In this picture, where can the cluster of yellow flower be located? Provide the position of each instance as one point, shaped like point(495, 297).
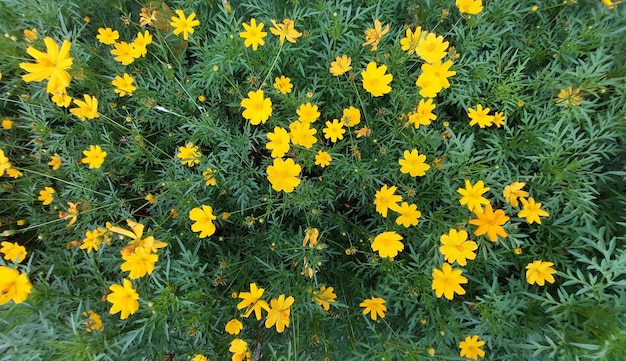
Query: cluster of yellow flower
point(13, 284)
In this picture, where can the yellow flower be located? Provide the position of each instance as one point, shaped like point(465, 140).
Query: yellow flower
point(199, 357)
point(182, 24)
point(87, 109)
point(375, 306)
point(14, 173)
point(94, 156)
point(61, 99)
point(423, 114)
point(136, 236)
point(375, 34)
point(324, 297)
point(409, 215)
point(472, 195)
point(539, 272)
point(307, 113)
point(13, 286)
point(386, 199)
point(253, 35)
point(388, 244)
point(107, 36)
point(514, 191)
point(517, 251)
point(258, 109)
point(499, 119)
point(151, 198)
point(610, 4)
point(351, 116)
point(283, 175)
point(30, 35)
point(239, 348)
point(209, 177)
point(252, 301)
point(5, 164)
point(46, 195)
point(124, 299)
point(447, 281)
point(279, 312)
point(283, 84)
point(93, 239)
point(340, 66)
point(431, 48)
point(139, 263)
point(140, 44)
point(55, 162)
point(203, 218)
point(471, 7)
point(125, 53)
point(234, 326)
point(480, 116)
point(532, 211)
point(13, 252)
point(334, 131)
point(189, 154)
point(286, 30)
point(456, 248)
point(94, 323)
point(51, 65)
point(569, 97)
point(323, 159)
point(413, 163)
point(279, 142)
point(147, 18)
point(489, 222)
point(411, 40)
point(470, 347)
point(302, 134)
point(7, 124)
point(375, 80)
point(434, 78)
point(124, 85)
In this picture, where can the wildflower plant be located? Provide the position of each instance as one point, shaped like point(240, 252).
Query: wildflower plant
point(292, 180)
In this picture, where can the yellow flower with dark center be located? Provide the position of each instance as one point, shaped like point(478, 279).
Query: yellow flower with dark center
point(388, 244)
point(51, 65)
point(539, 272)
point(87, 109)
point(233, 327)
point(283, 175)
point(411, 40)
point(254, 34)
point(324, 297)
point(480, 116)
point(302, 134)
point(124, 299)
point(351, 116)
point(532, 211)
point(413, 163)
point(409, 215)
point(251, 301)
point(107, 36)
point(323, 159)
point(423, 114)
point(307, 113)
point(139, 263)
point(375, 80)
point(514, 191)
point(471, 7)
point(447, 281)
point(386, 199)
point(94, 156)
point(340, 66)
point(55, 162)
point(203, 218)
point(283, 84)
point(455, 247)
point(279, 312)
point(13, 286)
point(182, 24)
point(489, 222)
point(279, 142)
point(286, 30)
point(375, 306)
point(189, 154)
point(470, 347)
point(46, 196)
point(473, 195)
point(374, 35)
point(13, 252)
point(257, 108)
point(94, 323)
point(334, 130)
point(431, 48)
point(124, 85)
point(125, 53)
